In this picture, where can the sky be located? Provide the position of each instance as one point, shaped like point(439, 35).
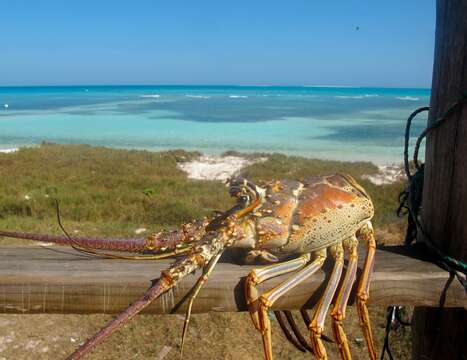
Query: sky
point(245, 42)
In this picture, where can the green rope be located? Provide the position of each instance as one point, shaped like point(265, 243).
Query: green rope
point(436, 124)
point(413, 204)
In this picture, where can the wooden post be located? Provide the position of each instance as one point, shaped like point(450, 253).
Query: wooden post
point(441, 334)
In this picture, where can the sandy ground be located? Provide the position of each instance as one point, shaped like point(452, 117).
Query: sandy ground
point(387, 174)
point(216, 167)
point(210, 336)
point(226, 167)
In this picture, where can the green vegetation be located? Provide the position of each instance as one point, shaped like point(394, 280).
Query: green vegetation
point(101, 190)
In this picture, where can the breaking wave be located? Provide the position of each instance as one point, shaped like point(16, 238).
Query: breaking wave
point(408, 98)
point(152, 96)
point(355, 96)
point(198, 96)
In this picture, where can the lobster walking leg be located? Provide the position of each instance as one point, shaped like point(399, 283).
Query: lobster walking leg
point(199, 284)
point(300, 342)
point(297, 332)
point(280, 319)
point(257, 276)
point(266, 300)
point(317, 322)
point(366, 233)
point(338, 312)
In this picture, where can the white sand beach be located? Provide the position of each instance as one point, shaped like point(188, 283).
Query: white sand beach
point(387, 174)
point(7, 151)
point(210, 167)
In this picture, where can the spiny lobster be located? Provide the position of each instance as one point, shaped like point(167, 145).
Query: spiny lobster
point(290, 224)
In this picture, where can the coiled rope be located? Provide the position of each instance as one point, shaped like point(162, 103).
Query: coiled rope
point(410, 203)
point(411, 198)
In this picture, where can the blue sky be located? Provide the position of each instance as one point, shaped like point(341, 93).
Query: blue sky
point(294, 42)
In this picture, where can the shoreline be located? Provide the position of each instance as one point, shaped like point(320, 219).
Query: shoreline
point(376, 160)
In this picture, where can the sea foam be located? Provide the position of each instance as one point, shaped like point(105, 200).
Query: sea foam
point(407, 98)
point(198, 96)
point(238, 96)
point(355, 96)
point(153, 96)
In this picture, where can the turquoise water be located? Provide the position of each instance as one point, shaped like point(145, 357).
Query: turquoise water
point(319, 122)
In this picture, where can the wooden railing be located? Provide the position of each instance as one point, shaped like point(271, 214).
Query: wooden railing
point(60, 280)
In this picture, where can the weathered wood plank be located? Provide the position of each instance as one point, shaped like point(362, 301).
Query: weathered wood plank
point(42, 280)
point(445, 189)
point(441, 334)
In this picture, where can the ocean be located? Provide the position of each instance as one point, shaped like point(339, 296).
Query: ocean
point(339, 123)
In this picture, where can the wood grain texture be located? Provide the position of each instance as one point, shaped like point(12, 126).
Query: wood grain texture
point(445, 188)
point(42, 280)
point(441, 333)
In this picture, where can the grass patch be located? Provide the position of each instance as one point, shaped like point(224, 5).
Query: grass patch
point(103, 186)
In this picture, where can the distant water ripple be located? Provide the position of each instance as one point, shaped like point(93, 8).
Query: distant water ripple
point(348, 123)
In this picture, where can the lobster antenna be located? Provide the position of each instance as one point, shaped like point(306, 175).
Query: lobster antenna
point(59, 220)
point(85, 250)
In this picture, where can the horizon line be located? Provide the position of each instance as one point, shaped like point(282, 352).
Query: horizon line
point(219, 85)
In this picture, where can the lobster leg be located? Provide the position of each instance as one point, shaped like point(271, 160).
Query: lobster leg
point(302, 342)
point(257, 276)
point(199, 284)
point(297, 332)
point(280, 319)
point(338, 312)
point(307, 320)
point(266, 300)
point(366, 233)
point(317, 322)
